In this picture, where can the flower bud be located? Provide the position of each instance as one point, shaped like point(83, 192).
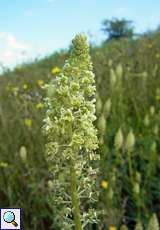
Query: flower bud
point(118, 141)
point(23, 153)
point(130, 141)
point(107, 107)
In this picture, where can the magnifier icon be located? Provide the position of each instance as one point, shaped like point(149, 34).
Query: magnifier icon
point(9, 218)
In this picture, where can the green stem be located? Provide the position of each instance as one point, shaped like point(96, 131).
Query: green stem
point(74, 197)
point(130, 167)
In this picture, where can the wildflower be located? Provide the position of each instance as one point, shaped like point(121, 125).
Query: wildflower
point(55, 70)
point(104, 184)
point(112, 228)
point(139, 226)
point(23, 153)
point(70, 105)
point(3, 164)
point(28, 122)
point(118, 141)
point(25, 86)
point(130, 141)
point(153, 223)
point(40, 83)
point(40, 105)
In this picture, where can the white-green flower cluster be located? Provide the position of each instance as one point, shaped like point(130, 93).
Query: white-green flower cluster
point(72, 137)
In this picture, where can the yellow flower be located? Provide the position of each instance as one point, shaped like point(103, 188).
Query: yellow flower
point(25, 86)
point(158, 55)
point(55, 70)
point(40, 82)
point(3, 164)
point(104, 184)
point(28, 122)
point(158, 97)
point(40, 105)
point(112, 228)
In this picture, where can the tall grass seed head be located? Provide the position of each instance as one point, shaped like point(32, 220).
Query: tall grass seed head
point(130, 141)
point(23, 154)
point(118, 141)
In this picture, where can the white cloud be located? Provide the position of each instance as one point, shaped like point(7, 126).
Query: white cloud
point(11, 50)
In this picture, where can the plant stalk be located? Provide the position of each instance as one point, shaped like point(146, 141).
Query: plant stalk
point(74, 197)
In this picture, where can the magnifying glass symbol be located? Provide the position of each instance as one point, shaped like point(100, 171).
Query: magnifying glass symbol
point(9, 218)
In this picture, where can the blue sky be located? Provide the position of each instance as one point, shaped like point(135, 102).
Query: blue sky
point(34, 28)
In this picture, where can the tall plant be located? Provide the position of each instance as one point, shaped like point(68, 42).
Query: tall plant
point(72, 139)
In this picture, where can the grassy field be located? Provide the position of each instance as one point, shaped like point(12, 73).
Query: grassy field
point(128, 120)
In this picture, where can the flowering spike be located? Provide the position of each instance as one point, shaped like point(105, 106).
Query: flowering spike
point(72, 137)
